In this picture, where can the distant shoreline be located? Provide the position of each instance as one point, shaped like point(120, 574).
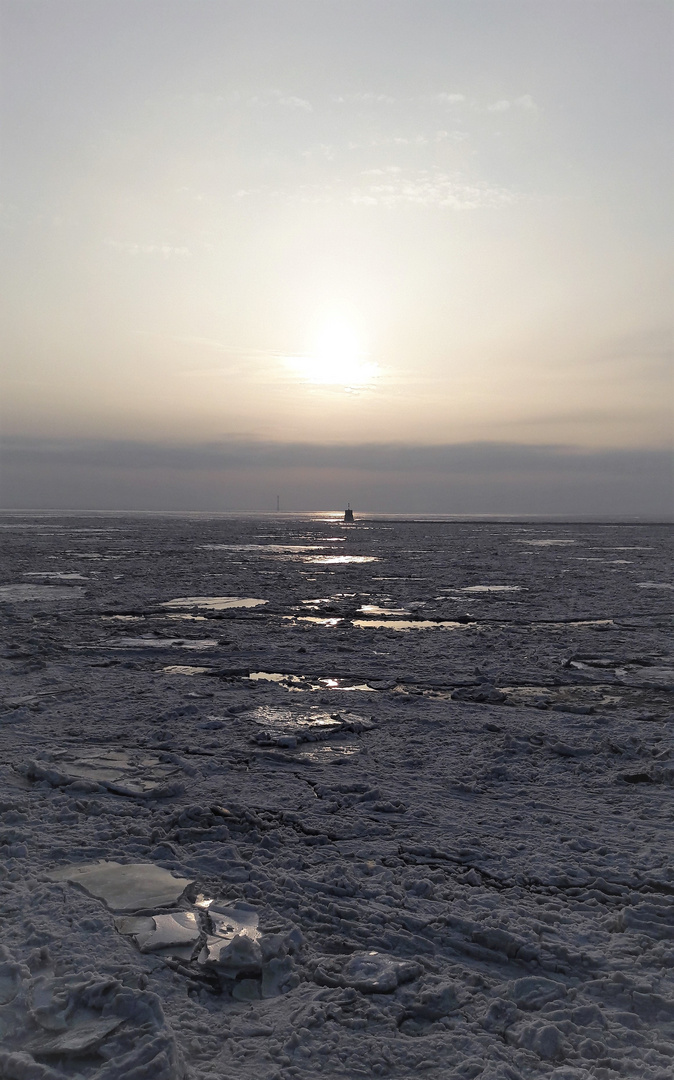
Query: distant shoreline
point(336, 516)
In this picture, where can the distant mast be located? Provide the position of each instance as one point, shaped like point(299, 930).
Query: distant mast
point(348, 514)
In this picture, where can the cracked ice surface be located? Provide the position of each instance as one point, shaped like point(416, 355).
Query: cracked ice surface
point(452, 858)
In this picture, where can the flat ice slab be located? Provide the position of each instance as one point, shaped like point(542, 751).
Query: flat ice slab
point(213, 603)
point(124, 772)
point(126, 887)
point(233, 945)
point(81, 1039)
point(290, 726)
point(21, 593)
point(371, 972)
point(156, 932)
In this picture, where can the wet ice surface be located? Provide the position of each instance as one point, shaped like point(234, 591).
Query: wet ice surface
point(213, 603)
point(437, 854)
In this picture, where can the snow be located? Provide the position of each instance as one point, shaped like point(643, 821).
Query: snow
point(342, 848)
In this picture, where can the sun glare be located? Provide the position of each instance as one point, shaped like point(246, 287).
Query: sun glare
point(336, 358)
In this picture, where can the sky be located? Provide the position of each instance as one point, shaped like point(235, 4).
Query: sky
point(411, 253)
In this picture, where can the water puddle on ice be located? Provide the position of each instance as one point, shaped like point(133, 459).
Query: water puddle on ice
point(307, 683)
point(327, 755)
point(338, 684)
point(213, 603)
point(314, 619)
point(185, 617)
point(339, 560)
point(21, 593)
point(286, 727)
point(407, 624)
point(263, 549)
point(275, 677)
point(374, 609)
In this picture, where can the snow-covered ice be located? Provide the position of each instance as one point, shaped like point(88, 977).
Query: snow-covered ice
point(337, 847)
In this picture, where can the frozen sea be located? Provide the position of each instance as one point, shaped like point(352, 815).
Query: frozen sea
point(281, 797)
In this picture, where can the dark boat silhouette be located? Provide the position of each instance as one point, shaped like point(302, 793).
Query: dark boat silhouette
point(348, 514)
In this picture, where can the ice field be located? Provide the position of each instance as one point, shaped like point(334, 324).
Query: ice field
point(281, 797)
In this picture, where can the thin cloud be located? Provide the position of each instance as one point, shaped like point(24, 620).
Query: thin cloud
point(525, 102)
point(444, 98)
point(278, 97)
point(133, 247)
point(394, 186)
point(363, 98)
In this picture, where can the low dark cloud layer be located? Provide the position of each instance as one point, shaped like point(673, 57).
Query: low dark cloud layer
point(463, 478)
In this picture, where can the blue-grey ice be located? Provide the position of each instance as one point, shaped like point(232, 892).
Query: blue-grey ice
point(152, 933)
point(213, 603)
point(124, 772)
point(126, 886)
point(369, 972)
point(23, 593)
point(233, 944)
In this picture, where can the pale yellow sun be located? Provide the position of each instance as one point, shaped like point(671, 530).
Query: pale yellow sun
point(336, 357)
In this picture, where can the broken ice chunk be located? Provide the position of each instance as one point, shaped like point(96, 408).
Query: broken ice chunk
point(233, 955)
point(213, 603)
point(234, 945)
point(180, 928)
point(135, 924)
point(130, 887)
point(371, 972)
point(246, 990)
point(176, 930)
point(120, 771)
point(291, 725)
point(83, 1038)
point(238, 919)
point(534, 992)
point(275, 976)
point(10, 981)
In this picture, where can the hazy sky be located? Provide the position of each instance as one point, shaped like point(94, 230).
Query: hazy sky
point(328, 222)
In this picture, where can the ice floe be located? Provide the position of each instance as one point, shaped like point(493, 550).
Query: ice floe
point(466, 875)
point(133, 773)
point(176, 932)
point(125, 887)
point(290, 726)
point(23, 593)
point(369, 972)
point(213, 603)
